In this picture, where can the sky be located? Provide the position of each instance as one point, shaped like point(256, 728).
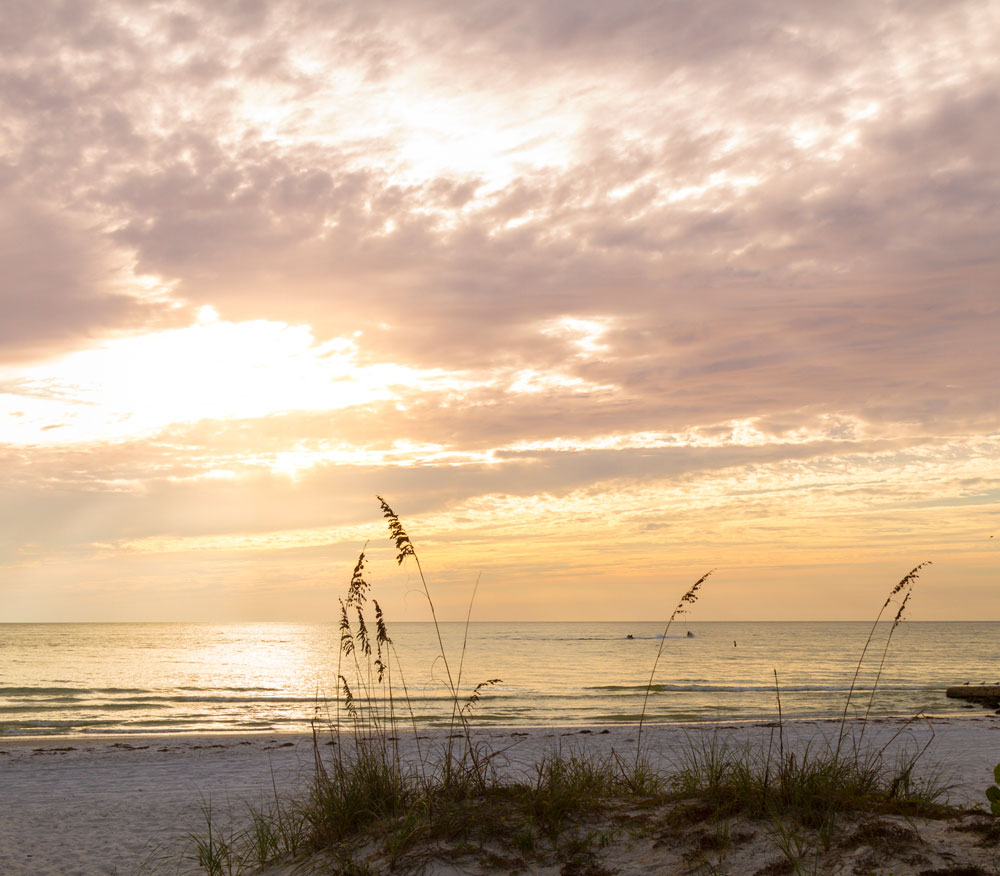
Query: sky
point(599, 296)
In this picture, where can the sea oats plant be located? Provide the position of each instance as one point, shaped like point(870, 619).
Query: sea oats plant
point(904, 587)
point(813, 789)
point(466, 762)
point(688, 599)
point(368, 810)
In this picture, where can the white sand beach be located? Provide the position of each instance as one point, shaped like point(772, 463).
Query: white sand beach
point(76, 807)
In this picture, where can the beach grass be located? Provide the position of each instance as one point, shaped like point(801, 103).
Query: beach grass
point(369, 808)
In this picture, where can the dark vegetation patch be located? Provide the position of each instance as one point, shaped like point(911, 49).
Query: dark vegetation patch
point(987, 828)
point(883, 837)
point(956, 870)
point(777, 867)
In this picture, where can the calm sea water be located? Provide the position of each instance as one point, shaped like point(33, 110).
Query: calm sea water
point(73, 679)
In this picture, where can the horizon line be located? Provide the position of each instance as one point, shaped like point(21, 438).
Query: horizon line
point(334, 621)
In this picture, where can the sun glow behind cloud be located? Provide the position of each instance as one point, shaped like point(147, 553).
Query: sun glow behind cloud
point(435, 130)
point(134, 386)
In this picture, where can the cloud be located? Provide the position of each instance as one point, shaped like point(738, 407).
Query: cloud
point(569, 247)
point(59, 283)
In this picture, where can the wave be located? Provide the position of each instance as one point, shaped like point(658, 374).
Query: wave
point(95, 707)
point(59, 704)
point(66, 691)
point(752, 688)
point(72, 692)
point(235, 689)
point(615, 638)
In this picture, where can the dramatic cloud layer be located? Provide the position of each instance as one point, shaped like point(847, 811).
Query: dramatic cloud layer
point(599, 295)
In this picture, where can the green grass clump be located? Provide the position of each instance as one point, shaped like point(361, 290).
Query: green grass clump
point(357, 791)
point(814, 787)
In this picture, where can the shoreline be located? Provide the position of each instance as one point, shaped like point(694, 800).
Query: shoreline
point(967, 712)
point(123, 806)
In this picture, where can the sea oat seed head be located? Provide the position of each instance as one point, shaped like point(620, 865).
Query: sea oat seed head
point(363, 634)
point(358, 586)
point(346, 639)
point(381, 634)
point(404, 547)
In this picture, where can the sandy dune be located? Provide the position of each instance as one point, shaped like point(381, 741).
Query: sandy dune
point(100, 806)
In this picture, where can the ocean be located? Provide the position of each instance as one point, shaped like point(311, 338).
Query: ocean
point(71, 680)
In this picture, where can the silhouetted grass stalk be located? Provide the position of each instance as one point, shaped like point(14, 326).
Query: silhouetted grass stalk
point(688, 598)
point(905, 583)
point(452, 767)
point(465, 643)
